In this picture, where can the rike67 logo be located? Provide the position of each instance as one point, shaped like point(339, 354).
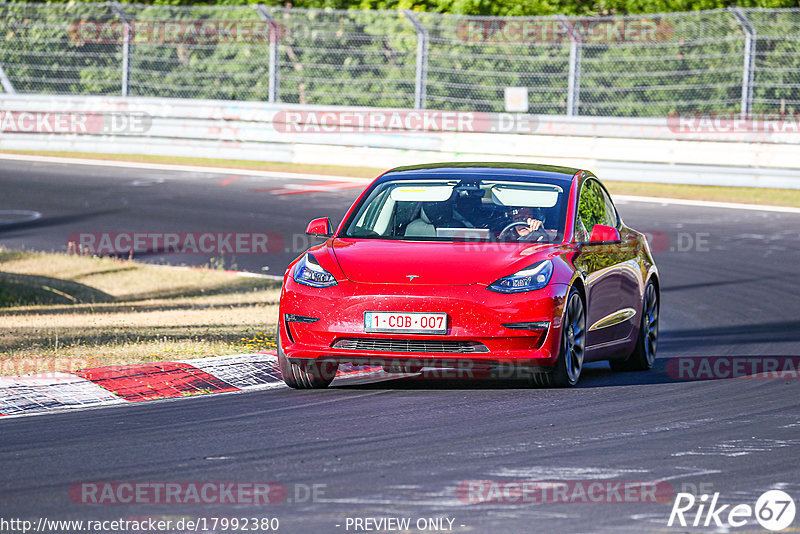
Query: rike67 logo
point(774, 510)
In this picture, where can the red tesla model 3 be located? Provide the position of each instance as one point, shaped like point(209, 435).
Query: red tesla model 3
point(472, 266)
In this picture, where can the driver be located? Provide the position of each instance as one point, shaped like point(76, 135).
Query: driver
point(533, 218)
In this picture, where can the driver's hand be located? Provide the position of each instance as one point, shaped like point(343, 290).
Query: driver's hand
point(533, 225)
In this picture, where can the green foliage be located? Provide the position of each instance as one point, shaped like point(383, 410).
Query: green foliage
point(689, 62)
point(502, 8)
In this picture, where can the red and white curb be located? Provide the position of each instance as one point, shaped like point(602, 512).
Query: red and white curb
point(119, 384)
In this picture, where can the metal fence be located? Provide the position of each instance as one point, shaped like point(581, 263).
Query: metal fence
point(735, 60)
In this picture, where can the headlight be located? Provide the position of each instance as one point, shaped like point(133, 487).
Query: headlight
point(308, 272)
point(536, 276)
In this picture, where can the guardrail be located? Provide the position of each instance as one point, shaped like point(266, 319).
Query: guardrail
point(699, 149)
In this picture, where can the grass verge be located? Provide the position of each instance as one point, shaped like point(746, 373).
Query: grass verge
point(747, 195)
point(61, 312)
point(742, 195)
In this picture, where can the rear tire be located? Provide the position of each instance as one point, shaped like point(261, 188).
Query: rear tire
point(313, 375)
point(567, 370)
point(644, 354)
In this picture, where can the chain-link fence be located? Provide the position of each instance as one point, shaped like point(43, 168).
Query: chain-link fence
point(734, 60)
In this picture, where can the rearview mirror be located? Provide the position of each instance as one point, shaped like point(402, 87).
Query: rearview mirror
point(604, 234)
point(320, 227)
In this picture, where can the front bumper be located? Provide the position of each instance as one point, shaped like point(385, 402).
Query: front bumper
point(475, 318)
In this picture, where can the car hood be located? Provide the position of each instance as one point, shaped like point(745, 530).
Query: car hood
point(377, 261)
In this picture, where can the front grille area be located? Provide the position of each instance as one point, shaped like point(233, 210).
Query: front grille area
point(420, 346)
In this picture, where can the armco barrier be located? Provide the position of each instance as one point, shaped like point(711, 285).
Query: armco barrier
point(621, 149)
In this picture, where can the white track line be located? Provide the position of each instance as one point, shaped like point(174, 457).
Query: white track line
point(245, 274)
point(329, 178)
point(180, 168)
point(707, 204)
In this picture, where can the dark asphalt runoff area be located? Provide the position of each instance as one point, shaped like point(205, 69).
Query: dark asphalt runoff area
point(403, 448)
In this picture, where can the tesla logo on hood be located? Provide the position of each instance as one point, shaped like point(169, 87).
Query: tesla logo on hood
point(411, 277)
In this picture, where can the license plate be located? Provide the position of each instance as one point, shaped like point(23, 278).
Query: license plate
point(408, 322)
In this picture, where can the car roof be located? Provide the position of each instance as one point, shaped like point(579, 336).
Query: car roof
point(511, 171)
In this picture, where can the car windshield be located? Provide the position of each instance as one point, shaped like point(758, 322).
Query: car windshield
point(457, 210)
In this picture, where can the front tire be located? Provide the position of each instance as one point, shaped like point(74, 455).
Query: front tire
point(569, 365)
point(644, 354)
point(314, 375)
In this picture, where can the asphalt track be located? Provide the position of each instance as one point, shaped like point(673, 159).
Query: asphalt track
point(401, 448)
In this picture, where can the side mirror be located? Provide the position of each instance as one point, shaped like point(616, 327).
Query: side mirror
point(604, 234)
point(320, 227)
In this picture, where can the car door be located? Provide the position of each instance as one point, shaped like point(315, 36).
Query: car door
point(628, 272)
point(600, 265)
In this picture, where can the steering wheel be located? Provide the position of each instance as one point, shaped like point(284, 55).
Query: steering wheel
point(539, 233)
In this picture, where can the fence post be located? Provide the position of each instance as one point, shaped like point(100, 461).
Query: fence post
point(8, 87)
point(421, 77)
point(574, 77)
point(748, 70)
point(127, 34)
point(274, 58)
